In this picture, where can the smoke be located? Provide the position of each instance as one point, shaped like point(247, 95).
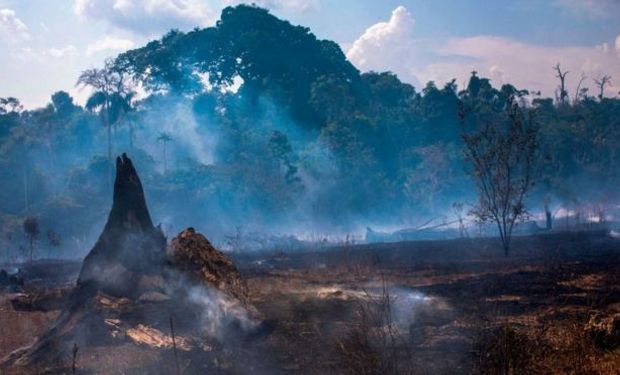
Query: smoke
point(219, 316)
point(235, 162)
point(175, 117)
point(408, 306)
point(219, 313)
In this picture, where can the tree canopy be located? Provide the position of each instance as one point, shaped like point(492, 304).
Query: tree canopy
point(274, 127)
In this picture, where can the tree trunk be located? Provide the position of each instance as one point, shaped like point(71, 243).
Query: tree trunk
point(26, 202)
point(130, 136)
point(52, 164)
point(506, 245)
point(109, 154)
point(165, 162)
point(504, 235)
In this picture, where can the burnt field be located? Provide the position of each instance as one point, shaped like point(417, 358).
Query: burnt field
point(439, 307)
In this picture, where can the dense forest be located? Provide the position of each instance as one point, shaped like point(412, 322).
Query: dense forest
point(256, 126)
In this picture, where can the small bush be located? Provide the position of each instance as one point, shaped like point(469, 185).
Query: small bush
point(374, 345)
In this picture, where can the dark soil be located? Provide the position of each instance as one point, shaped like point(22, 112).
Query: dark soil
point(537, 301)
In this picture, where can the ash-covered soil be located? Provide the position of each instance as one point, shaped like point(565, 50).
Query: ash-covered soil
point(442, 307)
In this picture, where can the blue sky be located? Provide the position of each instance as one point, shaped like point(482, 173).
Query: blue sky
point(45, 44)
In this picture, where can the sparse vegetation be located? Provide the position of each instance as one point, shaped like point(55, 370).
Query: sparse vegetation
point(311, 145)
point(525, 314)
point(271, 141)
point(502, 154)
point(31, 229)
point(505, 350)
point(375, 344)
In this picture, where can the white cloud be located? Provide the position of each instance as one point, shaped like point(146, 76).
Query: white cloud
point(11, 27)
point(146, 17)
point(108, 44)
point(386, 45)
point(66, 51)
point(392, 46)
point(293, 5)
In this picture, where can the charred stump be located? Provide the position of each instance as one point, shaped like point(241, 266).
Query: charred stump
point(129, 246)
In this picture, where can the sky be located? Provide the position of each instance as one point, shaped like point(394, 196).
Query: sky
point(44, 45)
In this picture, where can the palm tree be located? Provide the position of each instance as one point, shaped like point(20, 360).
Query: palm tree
point(165, 137)
point(111, 98)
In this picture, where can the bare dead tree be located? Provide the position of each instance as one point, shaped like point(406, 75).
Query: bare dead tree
point(562, 76)
point(601, 83)
point(502, 155)
point(578, 92)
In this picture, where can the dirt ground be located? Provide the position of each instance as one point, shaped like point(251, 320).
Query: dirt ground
point(440, 307)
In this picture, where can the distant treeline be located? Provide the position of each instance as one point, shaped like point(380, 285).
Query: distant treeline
point(255, 123)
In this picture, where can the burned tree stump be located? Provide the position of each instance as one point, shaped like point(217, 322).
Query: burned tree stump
point(129, 246)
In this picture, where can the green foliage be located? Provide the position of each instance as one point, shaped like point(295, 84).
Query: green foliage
point(305, 139)
point(271, 56)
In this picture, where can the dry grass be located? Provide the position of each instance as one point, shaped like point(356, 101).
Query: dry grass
point(556, 348)
point(374, 343)
point(522, 315)
point(18, 328)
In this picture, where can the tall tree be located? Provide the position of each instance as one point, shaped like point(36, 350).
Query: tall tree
point(164, 138)
point(111, 97)
point(502, 155)
point(282, 151)
point(23, 137)
point(270, 56)
point(63, 104)
point(31, 229)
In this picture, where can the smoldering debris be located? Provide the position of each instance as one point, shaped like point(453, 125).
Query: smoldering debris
point(193, 254)
point(155, 338)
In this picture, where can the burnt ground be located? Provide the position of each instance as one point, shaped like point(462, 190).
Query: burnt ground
point(452, 307)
